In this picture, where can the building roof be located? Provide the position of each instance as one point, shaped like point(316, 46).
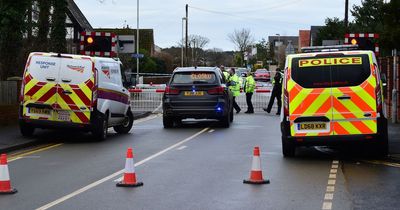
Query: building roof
point(77, 16)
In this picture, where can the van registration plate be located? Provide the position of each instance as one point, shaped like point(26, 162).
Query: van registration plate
point(63, 116)
point(311, 126)
point(33, 110)
point(193, 93)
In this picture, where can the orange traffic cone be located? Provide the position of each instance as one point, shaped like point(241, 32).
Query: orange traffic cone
point(5, 183)
point(256, 176)
point(129, 174)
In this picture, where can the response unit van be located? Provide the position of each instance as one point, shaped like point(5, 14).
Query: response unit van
point(333, 97)
point(61, 90)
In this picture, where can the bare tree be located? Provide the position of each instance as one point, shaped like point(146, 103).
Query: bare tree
point(242, 39)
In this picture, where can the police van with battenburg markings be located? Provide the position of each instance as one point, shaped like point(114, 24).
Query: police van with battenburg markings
point(332, 96)
point(62, 90)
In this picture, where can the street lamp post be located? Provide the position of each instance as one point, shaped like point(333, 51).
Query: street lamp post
point(137, 44)
point(279, 44)
point(183, 19)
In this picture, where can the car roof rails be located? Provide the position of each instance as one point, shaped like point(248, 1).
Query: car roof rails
point(332, 48)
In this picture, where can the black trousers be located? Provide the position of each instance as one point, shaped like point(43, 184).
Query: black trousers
point(250, 107)
point(276, 93)
point(235, 105)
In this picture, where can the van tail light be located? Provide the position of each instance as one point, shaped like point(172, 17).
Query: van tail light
point(95, 92)
point(216, 91)
point(171, 91)
point(21, 94)
point(286, 103)
point(378, 93)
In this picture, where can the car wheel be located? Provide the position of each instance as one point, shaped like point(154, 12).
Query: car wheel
point(225, 121)
point(231, 115)
point(168, 122)
point(126, 126)
point(100, 131)
point(288, 148)
point(26, 129)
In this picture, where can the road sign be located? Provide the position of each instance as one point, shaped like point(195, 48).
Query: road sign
point(137, 55)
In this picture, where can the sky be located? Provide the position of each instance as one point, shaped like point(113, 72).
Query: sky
point(214, 19)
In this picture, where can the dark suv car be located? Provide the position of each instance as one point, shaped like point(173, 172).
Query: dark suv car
point(199, 93)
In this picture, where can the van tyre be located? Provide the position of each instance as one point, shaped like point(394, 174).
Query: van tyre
point(26, 129)
point(168, 122)
point(288, 148)
point(126, 126)
point(100, 131)
point(382, 145)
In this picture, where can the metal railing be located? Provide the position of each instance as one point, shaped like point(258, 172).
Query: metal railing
point(149, 99)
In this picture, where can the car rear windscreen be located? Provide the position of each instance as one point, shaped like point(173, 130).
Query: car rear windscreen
point(330, 71)
point(194, 78)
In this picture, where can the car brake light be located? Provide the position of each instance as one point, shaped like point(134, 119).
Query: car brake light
point(216, 91)
point(171, 91)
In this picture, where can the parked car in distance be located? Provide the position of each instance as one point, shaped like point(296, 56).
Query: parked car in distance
point(262, 75)
point(199, 93)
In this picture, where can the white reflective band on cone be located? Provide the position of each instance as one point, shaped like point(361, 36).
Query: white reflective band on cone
point(256, 165)
point(4, 175)
point(129, 166)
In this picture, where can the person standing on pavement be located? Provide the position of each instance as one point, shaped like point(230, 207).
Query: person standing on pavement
point(249, 86)
point(234, 86)
point(226, 73)
point(276, 92)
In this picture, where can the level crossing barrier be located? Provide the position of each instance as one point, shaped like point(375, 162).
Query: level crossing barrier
point(149, 99)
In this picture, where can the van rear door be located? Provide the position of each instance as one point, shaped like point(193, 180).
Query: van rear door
point(354, 98)
point(75, 89)
point(40, 86)
point(310, 98)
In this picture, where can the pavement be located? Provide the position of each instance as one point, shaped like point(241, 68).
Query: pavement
point(11, 138)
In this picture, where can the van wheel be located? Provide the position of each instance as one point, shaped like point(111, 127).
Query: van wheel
point(225, 121)
point(26, 129)
point(100, 131)
point(381, 147)
point(168, 122)
point(126, 126)
point(288, 148)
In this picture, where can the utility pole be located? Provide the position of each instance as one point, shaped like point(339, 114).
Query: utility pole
point(186, 39)
point(137, 44)
point(183, 19)
point(346, 16)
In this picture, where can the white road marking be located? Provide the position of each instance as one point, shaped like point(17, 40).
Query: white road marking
point(212, 130)
point(328, 196)
point(94, 184)
point(327, 205)
point(181, 148)
point(330, 188)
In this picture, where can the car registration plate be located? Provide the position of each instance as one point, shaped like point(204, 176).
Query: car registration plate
point(39, 111)
point(63, 116)
point(193, 93)
point(311, 126)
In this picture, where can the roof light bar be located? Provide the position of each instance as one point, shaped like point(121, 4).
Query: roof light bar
point(332, 48)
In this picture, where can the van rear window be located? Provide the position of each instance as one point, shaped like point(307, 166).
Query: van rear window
point(194, 78)
point(330, 71)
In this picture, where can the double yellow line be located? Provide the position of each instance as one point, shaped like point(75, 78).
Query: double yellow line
point(19, 155)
